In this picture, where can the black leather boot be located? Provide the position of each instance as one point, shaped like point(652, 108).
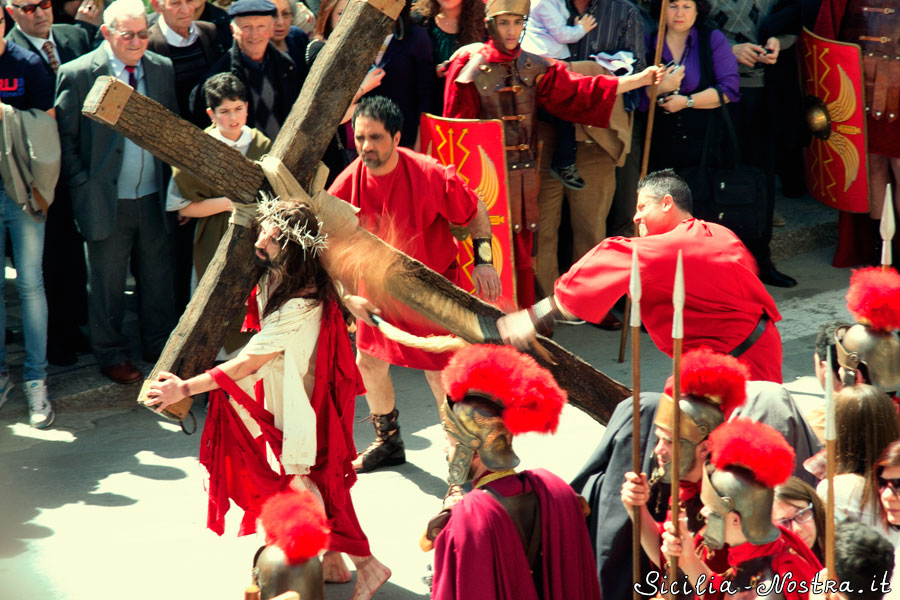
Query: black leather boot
point(387, 450)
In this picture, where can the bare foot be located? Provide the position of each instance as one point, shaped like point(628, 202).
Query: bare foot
point(370, 575)
point(334, 568)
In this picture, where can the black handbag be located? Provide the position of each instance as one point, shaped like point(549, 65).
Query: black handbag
point(732, 195)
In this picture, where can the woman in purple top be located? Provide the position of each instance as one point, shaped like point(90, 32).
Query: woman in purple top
point(688, 93)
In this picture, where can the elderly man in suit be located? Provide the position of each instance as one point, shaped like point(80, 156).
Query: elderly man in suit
point(118, 193)
point(65, 273)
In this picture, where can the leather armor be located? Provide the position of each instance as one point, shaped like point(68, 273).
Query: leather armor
point(875, 26)
point(508, 92)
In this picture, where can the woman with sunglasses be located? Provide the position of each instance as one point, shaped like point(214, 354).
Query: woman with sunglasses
point(887, 482)
point(799, 509)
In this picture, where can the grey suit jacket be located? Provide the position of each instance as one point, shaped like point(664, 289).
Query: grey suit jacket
point(92, 153)
point(71, 42)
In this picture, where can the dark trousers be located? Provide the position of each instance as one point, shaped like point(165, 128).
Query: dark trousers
point(140, 230)
point(753, 125)
point(65, 274)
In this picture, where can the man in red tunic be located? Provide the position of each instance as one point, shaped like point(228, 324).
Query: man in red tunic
point(748, 460)
point(726, 307)
point(501, 81)
point(516, 536)
point(409, 200)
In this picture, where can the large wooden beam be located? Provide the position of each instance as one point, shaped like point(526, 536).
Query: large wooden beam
point(326, 95)
point(232, 273)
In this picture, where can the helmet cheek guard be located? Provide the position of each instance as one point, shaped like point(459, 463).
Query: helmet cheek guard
point(476, 425)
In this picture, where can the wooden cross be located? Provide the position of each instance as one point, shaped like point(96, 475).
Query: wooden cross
point(223, 290)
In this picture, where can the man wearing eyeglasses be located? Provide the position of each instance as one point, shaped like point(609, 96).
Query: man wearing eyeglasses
point(65, 273)
point(118, 193)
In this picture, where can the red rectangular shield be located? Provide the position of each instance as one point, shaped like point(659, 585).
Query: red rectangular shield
point(476, 149)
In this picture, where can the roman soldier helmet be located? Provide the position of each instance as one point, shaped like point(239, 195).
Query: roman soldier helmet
point(495, 8)
point(296, 531)
point(494, 393)
point(748, 459)
point(872, 346)
point(713, 385)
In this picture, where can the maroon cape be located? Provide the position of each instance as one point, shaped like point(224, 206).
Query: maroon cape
point(479, 555)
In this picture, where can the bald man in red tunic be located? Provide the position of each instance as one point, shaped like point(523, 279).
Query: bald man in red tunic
point(501, 81)
point(409, 200)
point(726, 307)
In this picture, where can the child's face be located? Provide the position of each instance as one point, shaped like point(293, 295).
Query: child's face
point(229, 118)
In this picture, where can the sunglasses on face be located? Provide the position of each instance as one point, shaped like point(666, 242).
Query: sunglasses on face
point(29, 9)
point(130, 35)
point(800, 517)
point(894, 484)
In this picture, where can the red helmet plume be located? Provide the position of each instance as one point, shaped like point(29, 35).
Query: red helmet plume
point(754, 446)
point(530, 396)
point(295, 521)
point(874, 298)
point(720, 378)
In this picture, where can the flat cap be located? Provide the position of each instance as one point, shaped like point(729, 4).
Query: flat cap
point(249, 8)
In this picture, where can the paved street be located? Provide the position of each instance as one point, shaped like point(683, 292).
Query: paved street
point(110, 502)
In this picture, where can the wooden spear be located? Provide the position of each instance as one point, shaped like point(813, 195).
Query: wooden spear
point(634, 291)
point(645, 157)
point(830, 436)
point(887, 229)
point(677, 339)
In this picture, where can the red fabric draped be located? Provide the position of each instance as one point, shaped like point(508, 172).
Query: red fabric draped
point(479, 554)
point(251, 320)
point(239, 470)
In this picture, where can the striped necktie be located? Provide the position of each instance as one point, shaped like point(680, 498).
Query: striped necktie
point(51, 56)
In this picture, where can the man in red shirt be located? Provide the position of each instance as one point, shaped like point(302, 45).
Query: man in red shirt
point(501, 81)
point(726, 307)
point(408, 200)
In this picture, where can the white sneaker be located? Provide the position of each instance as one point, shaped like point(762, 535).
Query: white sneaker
point(6, 386)
point(40, 411)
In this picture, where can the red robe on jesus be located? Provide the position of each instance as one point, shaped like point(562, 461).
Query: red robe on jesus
point(724, 298)
point(411, 208)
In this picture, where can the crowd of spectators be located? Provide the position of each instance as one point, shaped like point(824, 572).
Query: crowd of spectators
point(109, 201)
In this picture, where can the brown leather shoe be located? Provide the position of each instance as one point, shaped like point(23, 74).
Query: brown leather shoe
point(123, 372)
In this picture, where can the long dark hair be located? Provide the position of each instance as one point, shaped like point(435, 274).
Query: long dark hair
point(799, 491)
point(866, 422)
point(323, 19)
point(471, 19)
point(299, 274)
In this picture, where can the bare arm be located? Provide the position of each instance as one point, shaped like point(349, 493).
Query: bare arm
point(168, 388)
point(636, 492)
point(480, 225)
point(205, 208)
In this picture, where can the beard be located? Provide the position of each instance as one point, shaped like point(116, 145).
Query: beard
point(372, 160)
point(263, 262)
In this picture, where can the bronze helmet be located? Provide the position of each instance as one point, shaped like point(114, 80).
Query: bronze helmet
point(495, 8)
point(476, 424)
point(494, 393)
point(877, 351)
point(747, 460)
point(274, 575)
point(713, 385)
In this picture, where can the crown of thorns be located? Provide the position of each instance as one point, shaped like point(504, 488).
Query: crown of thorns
point(270, 210)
